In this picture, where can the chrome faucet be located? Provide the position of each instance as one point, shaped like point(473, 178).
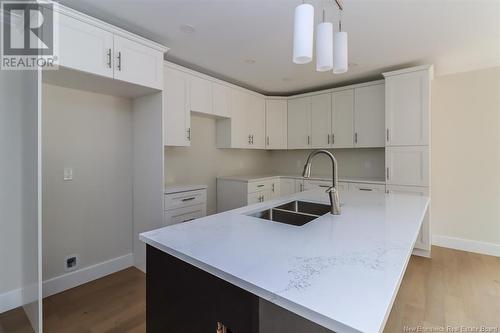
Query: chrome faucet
point(332, 191)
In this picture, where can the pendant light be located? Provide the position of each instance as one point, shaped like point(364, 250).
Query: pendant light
point(340, 58)
point(324, 46)
point(303, 34)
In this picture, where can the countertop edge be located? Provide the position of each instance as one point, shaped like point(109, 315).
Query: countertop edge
point(308, 314)
point(246, 179)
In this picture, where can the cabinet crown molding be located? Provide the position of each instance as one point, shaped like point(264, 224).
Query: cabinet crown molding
point(429, 68)
point(109, 27)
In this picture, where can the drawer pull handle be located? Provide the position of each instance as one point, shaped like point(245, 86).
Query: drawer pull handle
point(260, 185)
point(325, 186)
point(188, 220)
point(366, 189)
point(188, 199)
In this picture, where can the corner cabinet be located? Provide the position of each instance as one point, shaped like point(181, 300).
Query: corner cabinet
point(95, 47)
point(176, 113)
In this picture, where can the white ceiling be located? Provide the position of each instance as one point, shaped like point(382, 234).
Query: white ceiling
point(454, 35)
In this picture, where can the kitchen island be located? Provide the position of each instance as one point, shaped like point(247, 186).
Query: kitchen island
point(340, 272)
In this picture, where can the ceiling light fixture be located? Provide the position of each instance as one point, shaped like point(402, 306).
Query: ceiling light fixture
point(303, 34)
point(340, 56)
point(331, 48)
point(324, 46)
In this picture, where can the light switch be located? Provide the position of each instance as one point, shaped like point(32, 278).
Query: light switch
point(68, 174)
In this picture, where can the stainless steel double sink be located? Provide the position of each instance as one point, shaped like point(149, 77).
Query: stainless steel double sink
point(295, 213)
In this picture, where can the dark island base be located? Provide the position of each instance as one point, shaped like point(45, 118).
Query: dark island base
point(184, 299)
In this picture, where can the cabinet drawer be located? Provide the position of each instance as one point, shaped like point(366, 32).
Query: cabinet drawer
point(185, 214)
point(314, 184)
point(366, 187)
point(259, 186)
point(343, 187)
point(185, 199)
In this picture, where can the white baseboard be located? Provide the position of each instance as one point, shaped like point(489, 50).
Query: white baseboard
point(86, 274)
point(11, 300)
point(467, 245)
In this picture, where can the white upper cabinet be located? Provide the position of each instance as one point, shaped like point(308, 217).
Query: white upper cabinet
point(137, 63)
point(276, 123)
point(200, 95)
point(221, 100)
point(176, 113)
point(299, 123)
point(407, 165)
point(407, 108)
point(369, 114)
point(85, 47)
point(256, 116)
point(343, 119)
point(321, 121)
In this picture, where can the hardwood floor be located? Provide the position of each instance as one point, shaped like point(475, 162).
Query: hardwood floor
point(453, 288)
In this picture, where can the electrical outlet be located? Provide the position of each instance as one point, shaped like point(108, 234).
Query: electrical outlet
point(68, 174)
point(71, 263)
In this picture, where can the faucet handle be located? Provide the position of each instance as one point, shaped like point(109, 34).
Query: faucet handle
point(331, 189)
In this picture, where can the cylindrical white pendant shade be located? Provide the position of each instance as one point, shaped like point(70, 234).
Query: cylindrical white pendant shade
point(340, 63)
point(303, 34)
point(324, 47)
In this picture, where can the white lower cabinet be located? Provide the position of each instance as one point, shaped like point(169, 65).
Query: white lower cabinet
point(259, 196)
point(366, 187)
point(287, 186)
point(424, 237)
point(182, 206)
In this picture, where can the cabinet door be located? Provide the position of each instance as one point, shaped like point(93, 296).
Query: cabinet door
point(257, 197)
point(200, 92)
point(276, 124)
point(343, 119)
point(176, 115)
point(423, 239)
point(287, 186)
point(137, 63)
point(275, 188)
point(369, 115)
point(321, 121)
point(343, 187)
point(256, 115)
point(299, 185)
point(299, 123)
point(185, 214)
point(85, 47)
point(221, 97)
point(407, 165)
point(315, 184)
point(407, 109)
point(240, 132)
point(365, 187)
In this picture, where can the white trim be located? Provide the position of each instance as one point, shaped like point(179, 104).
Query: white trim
point(11, 300)
point(87, 274)
point(467, 245)
point(429, 68)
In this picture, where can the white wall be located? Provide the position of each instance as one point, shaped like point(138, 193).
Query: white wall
point(19, 228)
point(202, 162)
point(90, 216)
point(465, 185)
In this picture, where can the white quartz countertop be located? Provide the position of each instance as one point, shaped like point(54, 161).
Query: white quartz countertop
point(252, 178)
point(342, 272)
